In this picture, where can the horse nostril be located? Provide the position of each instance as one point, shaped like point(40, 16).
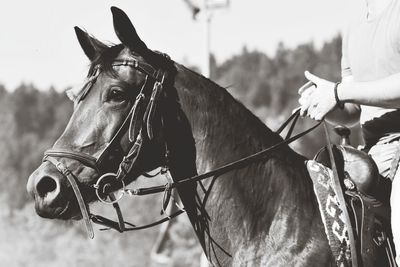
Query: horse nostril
point(46, 185)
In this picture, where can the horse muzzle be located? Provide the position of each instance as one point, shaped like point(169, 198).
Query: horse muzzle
point(48, 188)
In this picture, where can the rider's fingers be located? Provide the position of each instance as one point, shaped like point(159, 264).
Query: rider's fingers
point(304, 108)
point(312, 109)
point(303, 100)
point(303, 111)
point(305, 87)
point(318, 117)
point(312, 78)
point(311, 113)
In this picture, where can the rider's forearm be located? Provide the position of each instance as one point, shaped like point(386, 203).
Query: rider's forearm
point(381, 93)
point(349, 116)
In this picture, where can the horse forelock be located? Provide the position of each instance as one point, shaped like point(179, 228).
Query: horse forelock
point(105, 59)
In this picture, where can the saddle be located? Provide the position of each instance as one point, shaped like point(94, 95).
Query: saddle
point(367, 196)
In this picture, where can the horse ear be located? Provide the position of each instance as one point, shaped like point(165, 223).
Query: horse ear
point(90, 45)
point(126, 32)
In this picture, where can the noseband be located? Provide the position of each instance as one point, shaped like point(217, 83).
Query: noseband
point(138, 123)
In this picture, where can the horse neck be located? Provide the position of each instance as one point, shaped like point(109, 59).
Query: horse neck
point(225, 131)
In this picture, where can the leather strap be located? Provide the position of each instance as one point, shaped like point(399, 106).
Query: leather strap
point(84, 158)
point(140, 66)
point(137, 111)
point(71, 179)
point(339, 193)
point(151, 109)
point(121, 223)
point(226, 168)
point(292, 117)
point(89, 84)
point(116, 226)
point(129, 160)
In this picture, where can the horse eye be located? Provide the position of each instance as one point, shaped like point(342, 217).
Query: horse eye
point(116, 95)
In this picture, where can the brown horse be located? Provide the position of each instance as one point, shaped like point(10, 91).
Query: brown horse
point(263, 214)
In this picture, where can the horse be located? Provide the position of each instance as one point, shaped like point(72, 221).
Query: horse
point(261, 214)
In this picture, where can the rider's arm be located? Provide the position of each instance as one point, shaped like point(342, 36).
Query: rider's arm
point(319, 102)
point(350, 115)
point(383, 93)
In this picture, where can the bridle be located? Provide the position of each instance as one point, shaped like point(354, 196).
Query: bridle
point(139, 124)
point(144, 107)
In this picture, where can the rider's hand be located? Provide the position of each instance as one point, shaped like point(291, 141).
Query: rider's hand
point(305, 91)
point(318, 99)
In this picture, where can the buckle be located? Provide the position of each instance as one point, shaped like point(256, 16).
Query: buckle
point(62, 168)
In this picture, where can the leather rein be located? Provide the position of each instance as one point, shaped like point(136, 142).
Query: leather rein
point(139, 124)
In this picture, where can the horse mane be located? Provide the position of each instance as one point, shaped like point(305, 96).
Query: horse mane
point(215, 91)
point(285, 169)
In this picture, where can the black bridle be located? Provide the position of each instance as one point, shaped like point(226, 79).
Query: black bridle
point(142, 113)
point(139, 124)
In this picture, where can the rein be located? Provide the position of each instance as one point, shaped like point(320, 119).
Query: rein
point(241, 163)
point(230, 166)
point(139, 126)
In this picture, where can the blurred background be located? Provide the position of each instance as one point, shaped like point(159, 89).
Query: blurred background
point(258, 50)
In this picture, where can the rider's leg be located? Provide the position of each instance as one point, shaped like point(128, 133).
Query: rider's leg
point(395, 220)
point(383, 155)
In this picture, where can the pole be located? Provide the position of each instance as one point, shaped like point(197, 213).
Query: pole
point(207, 40)
point(207, 8)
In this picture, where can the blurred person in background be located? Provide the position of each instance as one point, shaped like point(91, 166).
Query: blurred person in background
point(369, 92)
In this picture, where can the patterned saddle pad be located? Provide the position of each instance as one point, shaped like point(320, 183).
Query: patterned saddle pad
point(331, 212)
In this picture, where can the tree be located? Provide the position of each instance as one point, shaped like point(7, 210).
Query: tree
point(268, 86)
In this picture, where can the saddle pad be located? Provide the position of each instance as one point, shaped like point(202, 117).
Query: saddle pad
point(331, 212)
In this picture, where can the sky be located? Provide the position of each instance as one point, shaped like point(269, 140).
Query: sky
point(38, 43)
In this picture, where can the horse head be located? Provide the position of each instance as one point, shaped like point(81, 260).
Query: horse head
point(115, 133)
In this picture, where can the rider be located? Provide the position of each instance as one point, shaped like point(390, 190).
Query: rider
point(369, 92)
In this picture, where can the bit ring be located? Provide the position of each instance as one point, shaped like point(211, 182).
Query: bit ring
point(97, 187)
